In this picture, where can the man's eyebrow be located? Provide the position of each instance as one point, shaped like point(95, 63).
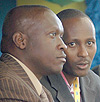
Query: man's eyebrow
point(92, 38)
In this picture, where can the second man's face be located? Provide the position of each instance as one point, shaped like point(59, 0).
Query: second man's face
point(79, 36)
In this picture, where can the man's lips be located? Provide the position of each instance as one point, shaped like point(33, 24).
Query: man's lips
point(83, 65)
point(62, 58)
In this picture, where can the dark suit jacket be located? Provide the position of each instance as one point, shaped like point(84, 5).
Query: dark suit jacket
point(89, 85)
point(96, 69)
point(15, 85)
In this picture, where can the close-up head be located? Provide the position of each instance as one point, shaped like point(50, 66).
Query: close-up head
point(33, 34)
point(80, 38)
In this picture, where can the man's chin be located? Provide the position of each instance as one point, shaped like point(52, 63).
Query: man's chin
point(82, 74)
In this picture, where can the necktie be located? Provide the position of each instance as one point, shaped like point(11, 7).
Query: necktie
point(76, 90)
point(43, 96)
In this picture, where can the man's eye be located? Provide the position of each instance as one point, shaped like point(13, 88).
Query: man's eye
point(72, 44)
point(53, 34)
point(61, 36)
point(90, 43)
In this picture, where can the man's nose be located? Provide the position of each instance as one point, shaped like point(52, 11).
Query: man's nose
point(82, 52)
point(62, 45)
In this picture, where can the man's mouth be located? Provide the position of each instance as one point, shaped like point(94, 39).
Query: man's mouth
point(62, 58)
point(83, 65)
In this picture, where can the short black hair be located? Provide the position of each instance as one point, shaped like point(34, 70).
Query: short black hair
point(70, 13)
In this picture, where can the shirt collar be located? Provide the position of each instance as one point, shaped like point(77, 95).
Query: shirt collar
point(31, 76)
point(67, 81)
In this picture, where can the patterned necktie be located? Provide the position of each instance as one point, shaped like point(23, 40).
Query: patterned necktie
point(76, 90)
point(43, 96)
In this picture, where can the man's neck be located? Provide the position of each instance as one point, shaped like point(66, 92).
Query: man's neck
point(69, 78)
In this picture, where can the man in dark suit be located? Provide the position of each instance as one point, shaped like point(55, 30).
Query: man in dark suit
point(79, 36)
point(32, 46)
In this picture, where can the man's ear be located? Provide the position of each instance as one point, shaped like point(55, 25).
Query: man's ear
point(20, 40)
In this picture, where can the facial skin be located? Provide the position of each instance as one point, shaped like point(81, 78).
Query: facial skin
point(79, 36)
point(44, 46)
point(35, 38)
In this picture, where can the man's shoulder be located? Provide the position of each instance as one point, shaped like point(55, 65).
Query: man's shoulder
point(96, 69)
point(91, 77)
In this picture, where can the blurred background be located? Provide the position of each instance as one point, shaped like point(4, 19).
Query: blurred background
point(90, 7)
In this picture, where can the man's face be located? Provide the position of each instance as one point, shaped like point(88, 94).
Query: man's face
point(80, 39)
point(45, 45)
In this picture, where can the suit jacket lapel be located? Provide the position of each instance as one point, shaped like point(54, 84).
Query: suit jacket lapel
point(15, 66)
point(87, 93)
point(62, 91)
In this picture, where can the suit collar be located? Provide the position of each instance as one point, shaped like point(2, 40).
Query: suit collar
point(16, 68)
point(63, 93)
point(18, 73)
point(31, 76)
point(87, 93)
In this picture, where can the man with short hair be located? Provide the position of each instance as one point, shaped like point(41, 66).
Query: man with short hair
point(76, 83)
point(32, 46)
